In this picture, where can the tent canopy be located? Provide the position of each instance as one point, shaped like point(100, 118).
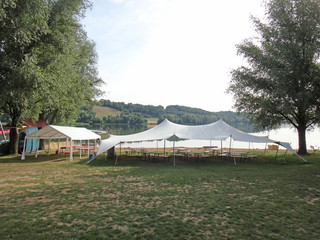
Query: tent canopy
point(56, 132)
point(174, 132)
point(62, 132)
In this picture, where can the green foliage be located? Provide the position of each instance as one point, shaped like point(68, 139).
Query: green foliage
point(4, 118)
point(22, 23)
point(135, 114)
point(88, 116)
point(196, 116)
point(146, 111)
point(281, 83)
point(47, 65)
point(71, 67)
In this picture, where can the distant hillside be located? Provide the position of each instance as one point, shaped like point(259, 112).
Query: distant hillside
point(115, 113)
point(101, 111)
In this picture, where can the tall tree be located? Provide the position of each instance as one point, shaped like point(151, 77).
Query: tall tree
point(281, 83)
point(47, 64)
point(71, 66)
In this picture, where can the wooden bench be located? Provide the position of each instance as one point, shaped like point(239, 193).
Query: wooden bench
point(237, 156)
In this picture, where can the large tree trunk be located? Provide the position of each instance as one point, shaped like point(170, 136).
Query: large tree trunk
point(42, 144)
point(14, 140)
point(302, 140)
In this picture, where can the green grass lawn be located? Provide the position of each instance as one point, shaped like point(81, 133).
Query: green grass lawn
point(50, 198)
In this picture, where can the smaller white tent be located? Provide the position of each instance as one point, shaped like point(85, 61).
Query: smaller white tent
point(62, 132)
point(167, 130)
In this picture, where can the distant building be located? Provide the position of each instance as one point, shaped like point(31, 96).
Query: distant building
point(29, 126)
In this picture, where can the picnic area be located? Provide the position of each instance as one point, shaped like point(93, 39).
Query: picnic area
point(209, 198)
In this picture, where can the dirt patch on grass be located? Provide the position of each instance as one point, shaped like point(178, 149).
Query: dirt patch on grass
point(269, 192)
point(14, 186)
point(313, 201)
point(35, 200)
point(111, 195)
point(195, 220)
point(15, 177)
point(120, 228)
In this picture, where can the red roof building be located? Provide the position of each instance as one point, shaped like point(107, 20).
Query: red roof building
point(39, 123)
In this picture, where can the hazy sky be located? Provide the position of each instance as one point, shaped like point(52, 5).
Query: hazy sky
point(166, 52)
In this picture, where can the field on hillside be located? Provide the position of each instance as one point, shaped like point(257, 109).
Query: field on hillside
point(51, 198)
point(105, 111)
point(152, 121)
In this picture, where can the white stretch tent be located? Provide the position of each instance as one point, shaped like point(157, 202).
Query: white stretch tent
point(62, 132)
point(174, 132)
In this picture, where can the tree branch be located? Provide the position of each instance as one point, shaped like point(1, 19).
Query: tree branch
point(288, 119)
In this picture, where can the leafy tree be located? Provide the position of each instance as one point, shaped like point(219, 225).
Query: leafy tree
point(47, 64)
point(73, 67)
point(281, 83)
point(86, 114)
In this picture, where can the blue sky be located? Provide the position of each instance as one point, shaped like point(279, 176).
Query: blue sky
point(166, 52)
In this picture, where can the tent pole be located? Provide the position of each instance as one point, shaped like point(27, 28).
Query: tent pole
point(284, 157)
point(277, 153)
point(23, 156)
point(3, 134)
point(37, 148)
point(230, 150)
point(174, 156)
point(221, 146)
point(115, 163)
point(89, 149)
point(164, 147)
point(71, 151)
point(116, 155)
point(265, 149)
point(59, 145)
point(80, 148)
point(49, 146)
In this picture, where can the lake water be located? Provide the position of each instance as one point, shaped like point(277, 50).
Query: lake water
point(284, 134)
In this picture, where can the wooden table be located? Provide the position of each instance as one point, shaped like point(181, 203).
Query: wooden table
point(213, 149)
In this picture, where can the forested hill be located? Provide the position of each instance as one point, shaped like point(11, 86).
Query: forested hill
point(133, 114)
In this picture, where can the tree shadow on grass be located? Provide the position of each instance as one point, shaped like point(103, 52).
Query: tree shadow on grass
point(261, 160)
point(30, 158)
point(130, 161)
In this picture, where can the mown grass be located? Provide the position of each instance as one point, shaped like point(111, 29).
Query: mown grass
point(50, 198)
point(102, 111)
point(105, 111)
